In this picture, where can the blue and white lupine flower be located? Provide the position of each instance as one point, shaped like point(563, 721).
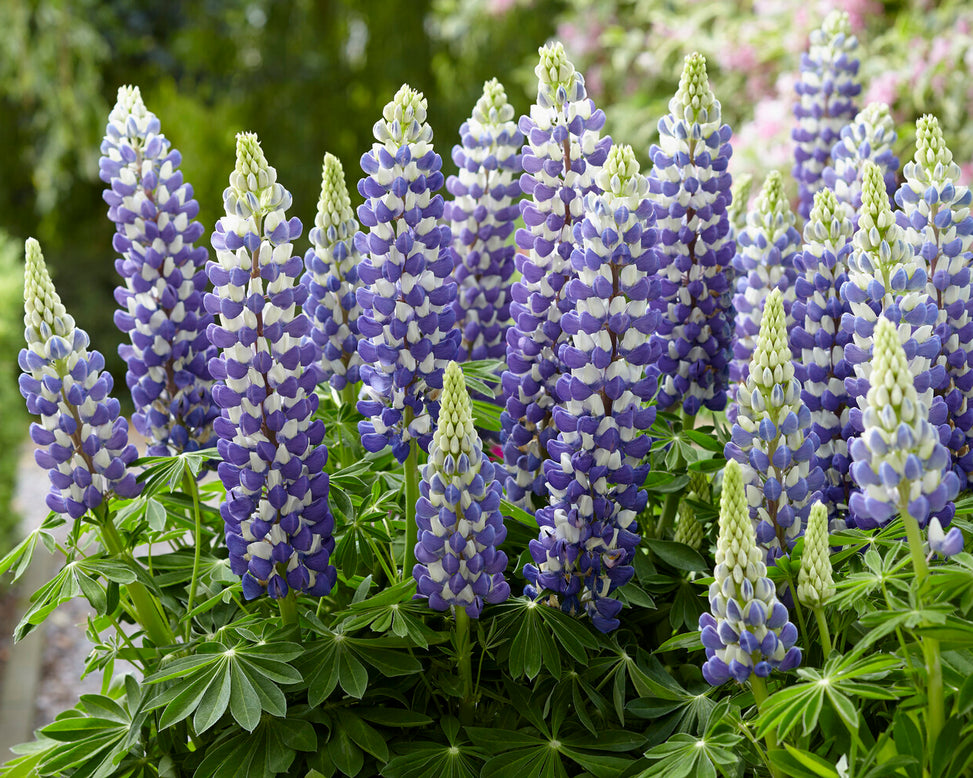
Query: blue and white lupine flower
point(899, 463)
point(482, 216)
point(771, 438)
point(944, 543)
point(87, 451)
point(818, 341)
point(767, 247)
point(458, 512)
point(563, 152)
point(690, 188)
point(870, 135)
point(747, 630)
point(827, 93)
point(276, 516)
point(164, 281)
point(588, 534)
point(407, 294)
point(331, 279)
point(936, 218)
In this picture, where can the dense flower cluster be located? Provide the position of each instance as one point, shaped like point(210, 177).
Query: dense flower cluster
point(407, 294)
point(164, 280)
point(690, 188)
point(276, 516)
point(588, 533)
point(331, 279)
point(563, 152)
point(747, 629)
point(815, 583)
point(482, 215)
point(458, 512)
point(87, 450)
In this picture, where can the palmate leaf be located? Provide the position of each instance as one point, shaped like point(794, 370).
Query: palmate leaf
point(684, 755)
point(269, 750)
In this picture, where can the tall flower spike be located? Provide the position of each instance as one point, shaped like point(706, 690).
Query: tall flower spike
point(826, 102)
point(482, 215)
point(771, 438)
point(458, 512)
point(871, 135)
point(765, 261)
point(815, 585)
point(331, 279)
point(164, 281)
point(87, 452)
point(747, 631)
point(406, 325)
point(563, 152)
point(690, 188)
point(818, 341)
point(898, 460)
point(276, 516)
point(936, 218)
point(588, 534)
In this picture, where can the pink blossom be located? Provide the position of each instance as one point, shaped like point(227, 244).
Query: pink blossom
point(883, 89)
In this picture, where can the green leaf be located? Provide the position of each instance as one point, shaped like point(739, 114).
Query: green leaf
point(366, 737)
point(801, 764)
point(352, 674)
point(214, 702)
point(244, 702)
point(511, 511)
point(703, 440)
point(346, 755)
point(678, 555)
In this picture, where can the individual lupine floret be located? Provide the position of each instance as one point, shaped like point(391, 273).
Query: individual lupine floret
point(936, 218)
point(588, 533)
point(899, 463)
point(747, 631)
point(482, 216)
point(818, 341)
point(815, 583)
point(690, 188)
point(276, 516)
point(563, 152)
point(771, 438)
point(407, 294)
point(458, 512)
point(164, 281)
point(87, 451)
point(331, 279)
point(768, 246)
point(871, 135)
point(826, 102)
point(944, 543)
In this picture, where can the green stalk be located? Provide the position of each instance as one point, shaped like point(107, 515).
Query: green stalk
point(288, 610)
point(463, 659)
point(411, 497)
point(190, 485)
point(349, 395)
point(797, 608)
point(823, 632)
point(671, 504)
point(759, 688)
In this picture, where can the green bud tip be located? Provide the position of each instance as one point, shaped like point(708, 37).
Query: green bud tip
point(554, 68)
point(455, 432)
point(694, 93)
point(771, 362)
point(334, 205)
point(931, 149)
point(130, 100)
point(736, 528)
point(815, 583)
point(771, 199)
point(407, 106)
point(892, 383)
point(837, 23)
point(42, 305)
point(620, 175)
point(492, 107)
point(252, 172)
point(875, 200)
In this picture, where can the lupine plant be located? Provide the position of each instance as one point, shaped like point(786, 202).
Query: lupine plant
point(632, 597)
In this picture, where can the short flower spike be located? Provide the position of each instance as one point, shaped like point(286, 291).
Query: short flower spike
point(815, 585)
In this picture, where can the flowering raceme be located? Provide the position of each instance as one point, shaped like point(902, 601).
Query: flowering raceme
point(276, 516)
point(407, 293)
point(87, 452)
point(162, 297)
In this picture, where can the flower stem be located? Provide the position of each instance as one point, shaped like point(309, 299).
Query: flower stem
point(671, 504)
point(349, 395)
point(823, 634)
point(190, 485)
point(464, 658)
point(759, 688)
point(411, 497)
point(288, 610)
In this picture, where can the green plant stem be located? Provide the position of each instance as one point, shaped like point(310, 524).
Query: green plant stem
point(759, 688)
point(823, 633)
point(349, 395)
point(147, 607)
point(464, 658)
point(411, 497)
point(288, 610)
point(798, 609)
point(190, 485)
point(671, 503)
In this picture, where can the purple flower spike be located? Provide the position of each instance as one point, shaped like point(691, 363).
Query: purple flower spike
point(588, 534)
point(332, 279)
point(162, 297)
point(406, 327)
point(563, 154)
point(87, 452)
point(458, 512)
point(482, 216)
point(276, 516)
point(690, 189)
point(826, 102)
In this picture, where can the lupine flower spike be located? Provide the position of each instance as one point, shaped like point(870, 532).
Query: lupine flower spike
point(815, 584)
point(482, 215)
point(747, 631)
point(331, 279)
point(276, 516)
point(588, 533)
point(899, 462)
point(688, 529)
point(406, 326)
point(690, 188)
point(87, 451)
point(458, 512)
point(738, 208)
point(827, 95)
point(936, 218)
point(563, 152)
point(818, 341)
point(771, 438)
point(164, 281)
